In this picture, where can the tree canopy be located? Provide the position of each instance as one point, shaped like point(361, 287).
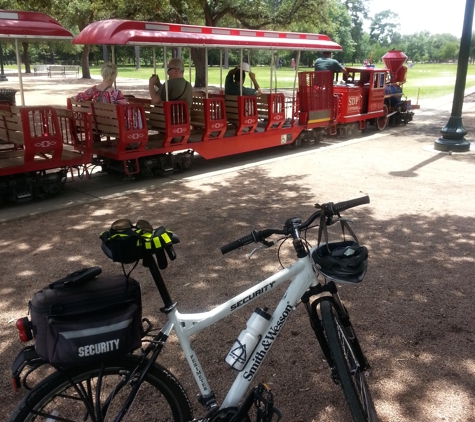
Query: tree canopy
point(342, 20)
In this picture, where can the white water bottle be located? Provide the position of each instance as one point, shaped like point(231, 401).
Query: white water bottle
point(247, 340)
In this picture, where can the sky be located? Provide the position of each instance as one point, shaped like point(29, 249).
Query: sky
point(434, 16)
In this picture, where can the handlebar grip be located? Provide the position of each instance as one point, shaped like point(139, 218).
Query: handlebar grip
point(246, 240)
point(345, 205)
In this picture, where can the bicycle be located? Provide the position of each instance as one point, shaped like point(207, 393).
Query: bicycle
point(135, 387)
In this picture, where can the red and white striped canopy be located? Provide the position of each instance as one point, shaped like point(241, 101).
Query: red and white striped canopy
point(124, 32)
point(30, 26)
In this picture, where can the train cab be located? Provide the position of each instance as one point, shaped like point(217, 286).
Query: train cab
point(360, 96)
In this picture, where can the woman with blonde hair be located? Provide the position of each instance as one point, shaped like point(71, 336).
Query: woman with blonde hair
point(104, 92)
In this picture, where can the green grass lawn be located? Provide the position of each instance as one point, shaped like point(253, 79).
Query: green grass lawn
point(423, 80)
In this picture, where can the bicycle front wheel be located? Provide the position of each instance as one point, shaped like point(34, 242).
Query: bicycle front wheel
point(346, 366)
point(97, 394)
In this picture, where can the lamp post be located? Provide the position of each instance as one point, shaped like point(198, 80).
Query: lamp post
point(3, 78)
point(453, 133)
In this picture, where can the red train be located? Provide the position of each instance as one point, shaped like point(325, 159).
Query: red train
point(39, 145)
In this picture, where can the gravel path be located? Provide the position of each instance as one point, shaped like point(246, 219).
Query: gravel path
point(413, 312)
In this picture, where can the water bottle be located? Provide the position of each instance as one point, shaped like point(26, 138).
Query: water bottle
point(248, 339)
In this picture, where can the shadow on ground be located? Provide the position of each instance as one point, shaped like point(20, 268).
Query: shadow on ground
point(412, 312)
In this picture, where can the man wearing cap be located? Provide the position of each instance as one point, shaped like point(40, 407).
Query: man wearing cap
point(232, 85)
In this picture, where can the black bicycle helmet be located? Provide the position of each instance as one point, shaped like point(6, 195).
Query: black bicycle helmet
point(344, 262)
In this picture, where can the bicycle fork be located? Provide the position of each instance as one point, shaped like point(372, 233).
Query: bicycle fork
point(343, 316)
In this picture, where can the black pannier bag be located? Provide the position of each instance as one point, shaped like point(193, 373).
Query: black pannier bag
point(83, 318)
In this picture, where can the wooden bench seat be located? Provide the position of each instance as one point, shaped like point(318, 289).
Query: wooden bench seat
point(172, 122)
point(118, 129)
point(209, 115)
point(40, 132)
point(241, 111)
point(271, 110)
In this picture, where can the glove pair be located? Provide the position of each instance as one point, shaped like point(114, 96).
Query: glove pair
point(161, 241)
point(127, 243)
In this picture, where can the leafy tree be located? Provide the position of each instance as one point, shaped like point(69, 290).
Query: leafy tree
point(341, 31)
point(449, 51)
point(384, 29)
point(418, 46)
point(436, 43)
point(358, 11)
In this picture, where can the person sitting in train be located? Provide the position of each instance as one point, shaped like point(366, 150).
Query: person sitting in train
point(178, 87)
point(233, 82)
point(328, 63)
point(104, 92)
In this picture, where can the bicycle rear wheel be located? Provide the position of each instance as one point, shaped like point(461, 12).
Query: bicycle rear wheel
point(160, 398)
point(345, 364)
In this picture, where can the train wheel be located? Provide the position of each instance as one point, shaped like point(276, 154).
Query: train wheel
point(382, 122)
point(318, 135)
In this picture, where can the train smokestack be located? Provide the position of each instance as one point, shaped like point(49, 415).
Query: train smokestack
point(394, 61)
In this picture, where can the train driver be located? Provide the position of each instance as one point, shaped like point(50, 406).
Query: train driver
point(232, 84)
point(328, 63)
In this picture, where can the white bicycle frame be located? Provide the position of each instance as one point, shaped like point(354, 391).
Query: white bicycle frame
point(186, 325)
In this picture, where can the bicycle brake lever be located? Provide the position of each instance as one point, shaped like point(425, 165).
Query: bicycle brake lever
point(265, 244)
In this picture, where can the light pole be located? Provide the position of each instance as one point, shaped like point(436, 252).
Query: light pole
point(453, 133)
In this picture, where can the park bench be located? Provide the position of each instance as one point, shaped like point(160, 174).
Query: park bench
point(208, 117)
point(42, 139)
point(39, 69)
point(241, 111)
point(63, 70)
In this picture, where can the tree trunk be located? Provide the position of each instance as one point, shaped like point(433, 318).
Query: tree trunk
point(26, 58)
point(199, 59)
point(86, 73)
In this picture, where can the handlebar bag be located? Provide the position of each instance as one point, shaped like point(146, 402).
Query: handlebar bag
point(95, 319)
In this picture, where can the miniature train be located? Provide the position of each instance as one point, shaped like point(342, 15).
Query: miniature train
point(39, 146)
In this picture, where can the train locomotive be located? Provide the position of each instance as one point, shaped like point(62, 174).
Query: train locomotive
point(366, 96)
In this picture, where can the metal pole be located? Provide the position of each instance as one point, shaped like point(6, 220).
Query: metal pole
point(453, 133)
point(18, 60)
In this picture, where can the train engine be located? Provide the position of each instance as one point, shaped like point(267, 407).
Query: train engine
point(399, 109)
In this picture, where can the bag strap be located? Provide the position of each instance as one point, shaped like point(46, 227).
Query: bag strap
point(323, 230)
point(99, 99)
point(76, 278)
point(344, 223)
point(184, 89)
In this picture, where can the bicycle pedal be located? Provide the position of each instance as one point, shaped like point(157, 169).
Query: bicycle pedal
point(264, 403)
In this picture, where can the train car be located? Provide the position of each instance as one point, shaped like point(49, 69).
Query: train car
point(142, 139)
point(37, 143)
point(218, 125)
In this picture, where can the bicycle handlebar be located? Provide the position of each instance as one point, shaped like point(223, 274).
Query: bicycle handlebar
point(329, 209)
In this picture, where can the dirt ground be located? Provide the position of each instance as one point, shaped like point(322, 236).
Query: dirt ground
point(413, 313)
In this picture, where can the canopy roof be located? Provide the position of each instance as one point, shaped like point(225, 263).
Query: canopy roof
point(124, 32)
point(30, 25)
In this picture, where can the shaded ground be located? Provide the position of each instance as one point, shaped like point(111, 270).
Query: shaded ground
point(413, 312)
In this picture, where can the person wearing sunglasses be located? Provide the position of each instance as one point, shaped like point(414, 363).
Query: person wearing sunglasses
point(178, 87)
